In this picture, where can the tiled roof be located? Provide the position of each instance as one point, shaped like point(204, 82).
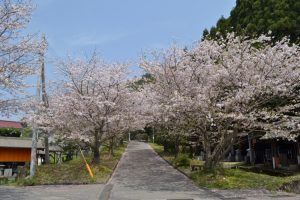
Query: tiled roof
point(15, 142)
point(10, 124)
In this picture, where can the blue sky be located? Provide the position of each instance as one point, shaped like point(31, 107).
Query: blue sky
point(120, 30)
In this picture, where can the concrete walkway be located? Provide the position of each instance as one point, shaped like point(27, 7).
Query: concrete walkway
point(51, 192)
point(142, 174)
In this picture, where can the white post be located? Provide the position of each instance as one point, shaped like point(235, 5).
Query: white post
point(153, 134)
point(129, 137)
point(273, 162)
point(250, 150)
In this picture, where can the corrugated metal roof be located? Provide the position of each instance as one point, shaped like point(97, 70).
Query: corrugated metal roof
point(15, 142)
point(10, 124)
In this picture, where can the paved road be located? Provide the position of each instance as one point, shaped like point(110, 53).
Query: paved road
point(143, 175)
point(52, 192)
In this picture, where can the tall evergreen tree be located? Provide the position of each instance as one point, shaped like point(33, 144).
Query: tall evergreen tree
point(255, 17)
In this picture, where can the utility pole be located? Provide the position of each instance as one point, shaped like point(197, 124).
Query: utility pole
point(44, 97)
point(40, 78)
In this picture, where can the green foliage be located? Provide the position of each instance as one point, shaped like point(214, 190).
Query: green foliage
point(182, 160)
point(255, 17)
point(167, 140)
point(3, 180)
point(70, 147)
point(10, 132)
point(28, 182)
point(133, 134)
point(26, 132)
point(157, 148)
point(145, 79)
point(141, 137)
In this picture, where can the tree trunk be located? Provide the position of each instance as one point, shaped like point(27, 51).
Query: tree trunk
point(219, 150)
point(206, 147)
point(111, 147)
point(96, 155)
point(46, 141)
point(176, 146)
point(165, 144)
point(210, 163)
point(212, 160)
point(96, 149)
point(191, 151)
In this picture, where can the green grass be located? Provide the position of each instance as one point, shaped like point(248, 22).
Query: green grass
point(74, 171)
point(225, 178)
point(239, 179)
point(159, 149)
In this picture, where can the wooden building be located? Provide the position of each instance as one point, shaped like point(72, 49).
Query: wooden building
point(15, 149)
point(18, 150)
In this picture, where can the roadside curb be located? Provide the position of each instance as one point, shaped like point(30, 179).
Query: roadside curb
point(116, 166)
point(105, 193)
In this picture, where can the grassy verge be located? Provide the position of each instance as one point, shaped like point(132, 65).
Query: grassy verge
point(74, 171)
point(240, 179)
point(159, 149)
point(225, 178)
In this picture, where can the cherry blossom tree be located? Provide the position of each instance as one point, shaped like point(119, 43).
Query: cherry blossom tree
point(92, 103)
point(18, 52)
point(218, 89)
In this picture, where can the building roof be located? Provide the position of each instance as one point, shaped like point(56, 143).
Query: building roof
point(10, 124)
point(15, 142)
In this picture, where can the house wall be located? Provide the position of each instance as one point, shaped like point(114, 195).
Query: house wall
point(15, 154)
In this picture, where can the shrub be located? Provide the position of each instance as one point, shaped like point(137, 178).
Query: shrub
point(10, 132)
point(141, 137)
point(28, 182)
point(182, 161)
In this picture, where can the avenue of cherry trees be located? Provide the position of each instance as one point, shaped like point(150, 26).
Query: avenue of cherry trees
point(215, 90)
point(220, 89)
